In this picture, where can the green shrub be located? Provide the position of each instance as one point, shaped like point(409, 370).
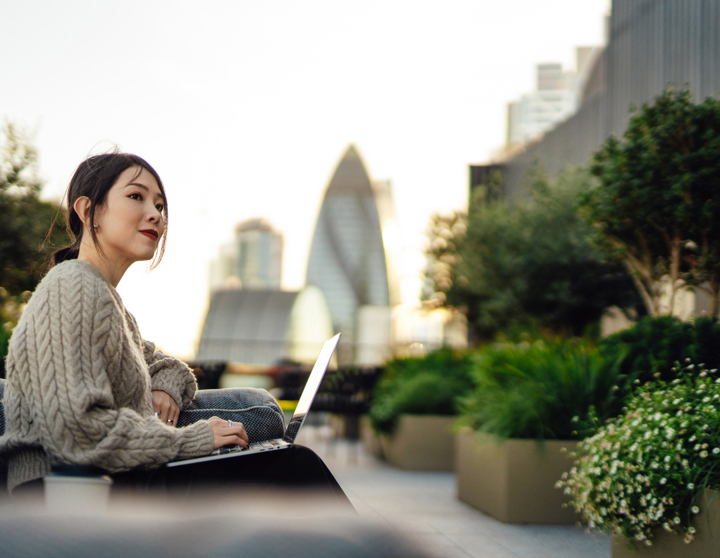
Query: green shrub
point(429, 385)
point(653, 345)
point(544, 390)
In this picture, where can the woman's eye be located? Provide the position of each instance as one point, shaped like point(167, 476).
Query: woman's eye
point(160, 208)
point(135, 196)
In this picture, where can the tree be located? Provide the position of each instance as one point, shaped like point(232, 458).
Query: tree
point(25, 220)
point(656, 206)
point(528, 263)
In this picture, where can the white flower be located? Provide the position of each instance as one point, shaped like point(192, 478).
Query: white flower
point(690, 486)
point(703, 454)
point(676, 402)
point(691, 530)
point(676, 520)
point(663, 480)
point(716, 451)
point(667, 459)
point(695, 509)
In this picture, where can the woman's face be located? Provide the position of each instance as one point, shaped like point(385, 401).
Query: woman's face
point(130, 222)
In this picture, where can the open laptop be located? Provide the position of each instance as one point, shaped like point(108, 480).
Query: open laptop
point(293, 427)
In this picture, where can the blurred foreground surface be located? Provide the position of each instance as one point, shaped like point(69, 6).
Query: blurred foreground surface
point(422, 508)
point(400, 514)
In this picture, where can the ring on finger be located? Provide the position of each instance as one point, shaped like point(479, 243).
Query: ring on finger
point(230, 423)
point(170, 421)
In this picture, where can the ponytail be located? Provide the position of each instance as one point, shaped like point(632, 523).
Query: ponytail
point(64, 254)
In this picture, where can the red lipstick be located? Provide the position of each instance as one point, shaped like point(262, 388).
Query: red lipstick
point(150, 233)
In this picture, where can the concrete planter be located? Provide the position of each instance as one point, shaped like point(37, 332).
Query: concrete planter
point(668, 545)
point(421, 443)
point(514, 480)
point(370, 438)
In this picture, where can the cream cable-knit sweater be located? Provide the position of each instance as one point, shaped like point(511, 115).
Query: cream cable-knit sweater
point(79, 381)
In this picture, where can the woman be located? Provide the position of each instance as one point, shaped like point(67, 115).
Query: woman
point(83, 387)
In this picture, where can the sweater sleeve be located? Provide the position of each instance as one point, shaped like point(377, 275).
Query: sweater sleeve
point(170, 375)
point(78, 340)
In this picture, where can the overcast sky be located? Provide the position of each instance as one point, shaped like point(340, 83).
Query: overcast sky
point(245, 107)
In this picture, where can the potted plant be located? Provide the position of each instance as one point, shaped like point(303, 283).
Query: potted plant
point(649, 475)
point(414, 406)
point(518, 426)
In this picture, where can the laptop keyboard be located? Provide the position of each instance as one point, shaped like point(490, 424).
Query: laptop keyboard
point(257, 446)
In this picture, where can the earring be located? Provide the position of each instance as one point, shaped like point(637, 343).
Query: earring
point(95, 227)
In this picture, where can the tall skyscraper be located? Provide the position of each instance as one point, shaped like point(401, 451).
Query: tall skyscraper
point(252, 260)
point(348, 258)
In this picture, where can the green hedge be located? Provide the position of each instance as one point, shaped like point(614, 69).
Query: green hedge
point(649, 350)
point(429, 385)
point(543, 390)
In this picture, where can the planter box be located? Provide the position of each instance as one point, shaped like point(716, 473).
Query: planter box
point(668, 545)
point(514, 480)
point(421, 443)
point(370, 438)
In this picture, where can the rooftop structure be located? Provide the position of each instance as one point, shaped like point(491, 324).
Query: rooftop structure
point(264, 326)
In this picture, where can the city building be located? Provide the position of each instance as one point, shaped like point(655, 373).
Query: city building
point(264, 326)
point(252, 260)
point(350, 262)
point(651, 45)
point(556, 98)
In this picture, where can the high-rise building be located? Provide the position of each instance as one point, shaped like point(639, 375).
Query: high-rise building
point(556, 98)
point(252, 260)
point(348, 260)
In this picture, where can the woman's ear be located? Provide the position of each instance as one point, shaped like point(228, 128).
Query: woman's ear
point(82, 207)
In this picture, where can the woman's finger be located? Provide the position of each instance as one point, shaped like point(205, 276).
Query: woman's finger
point(172, 417)
point(238, 429)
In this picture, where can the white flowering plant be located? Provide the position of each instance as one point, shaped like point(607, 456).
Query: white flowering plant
point(647, 469)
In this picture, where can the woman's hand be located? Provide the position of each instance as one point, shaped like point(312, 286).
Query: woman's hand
point(165, 407)
point(226, 433)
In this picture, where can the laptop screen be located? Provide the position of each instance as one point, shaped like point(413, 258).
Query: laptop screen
point(308, 394)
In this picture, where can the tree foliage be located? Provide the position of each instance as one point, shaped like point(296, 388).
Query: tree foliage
point(529, 263)
point(25, 220)
point(657, 204)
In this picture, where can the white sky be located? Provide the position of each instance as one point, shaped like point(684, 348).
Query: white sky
point(245, 107)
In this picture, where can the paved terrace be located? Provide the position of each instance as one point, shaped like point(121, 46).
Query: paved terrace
point(422, 506)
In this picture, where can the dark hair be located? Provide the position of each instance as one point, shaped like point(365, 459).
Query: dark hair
point(93, 179)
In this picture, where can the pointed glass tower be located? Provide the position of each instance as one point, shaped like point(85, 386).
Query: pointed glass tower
point(347, 256)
